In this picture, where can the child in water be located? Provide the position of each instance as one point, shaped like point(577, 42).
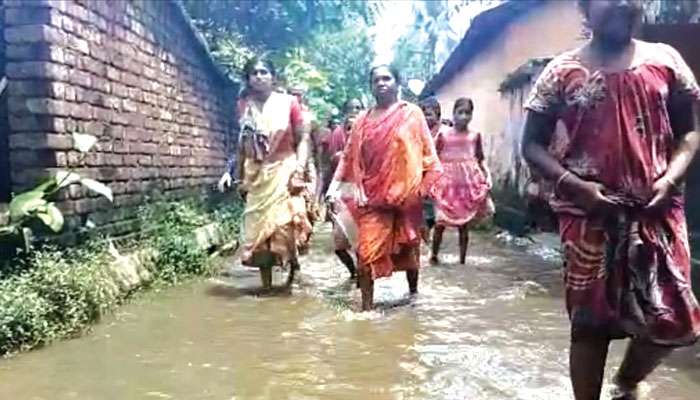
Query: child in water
point(462, 196)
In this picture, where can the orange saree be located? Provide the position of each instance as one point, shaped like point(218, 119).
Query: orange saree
point(390, 164)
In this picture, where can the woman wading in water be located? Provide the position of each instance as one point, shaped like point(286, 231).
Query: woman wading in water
point(271, 174)
point(390, 164)
point(627, 106)
point(334, 144)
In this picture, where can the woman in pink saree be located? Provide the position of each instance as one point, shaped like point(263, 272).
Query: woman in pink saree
point(618, 194)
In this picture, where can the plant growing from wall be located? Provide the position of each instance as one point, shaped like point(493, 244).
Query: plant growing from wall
point(37, 203)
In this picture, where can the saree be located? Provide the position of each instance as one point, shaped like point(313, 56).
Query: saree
point(274, 221)
point(389, 164)
point(627, 274)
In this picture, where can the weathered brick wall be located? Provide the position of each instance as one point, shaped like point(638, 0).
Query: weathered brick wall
point(129, 71)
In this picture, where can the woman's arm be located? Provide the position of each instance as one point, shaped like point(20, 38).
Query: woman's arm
point(539, 129)
point(687, 145)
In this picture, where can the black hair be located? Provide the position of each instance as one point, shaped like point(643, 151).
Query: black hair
point(431, 103)
point(250, 66)
point(351, 99)
point(463, 101)
point(392, 68)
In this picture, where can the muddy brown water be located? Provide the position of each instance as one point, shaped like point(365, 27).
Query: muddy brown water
point(494, 329)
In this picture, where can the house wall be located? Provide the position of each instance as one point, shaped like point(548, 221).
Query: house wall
point(556, 27)
point(131, 72)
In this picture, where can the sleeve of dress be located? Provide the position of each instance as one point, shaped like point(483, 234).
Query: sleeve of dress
point(547, 95)
point(344, 170)
point(684, 83)
point(432, 167)
point(479, 147)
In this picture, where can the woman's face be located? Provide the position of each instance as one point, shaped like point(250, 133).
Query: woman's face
point(384, 83)
point(614, 20)
point(463, 115)
point(353, 108)
point(348, 123)
point(260, 78)
point(431, 116)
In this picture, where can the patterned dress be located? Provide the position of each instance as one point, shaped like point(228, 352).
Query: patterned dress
point(627, 274)
point(462, 193)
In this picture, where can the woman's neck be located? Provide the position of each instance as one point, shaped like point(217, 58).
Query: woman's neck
point(384, 104)
point(603, 50)
point(260, 97)
point(462, 129)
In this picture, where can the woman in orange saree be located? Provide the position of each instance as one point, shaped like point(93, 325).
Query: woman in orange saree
point(390, 165)
point(271, 174)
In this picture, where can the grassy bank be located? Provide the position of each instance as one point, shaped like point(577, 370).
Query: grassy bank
point(56, 293)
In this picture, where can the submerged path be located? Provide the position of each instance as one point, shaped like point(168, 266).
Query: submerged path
point(492, 330)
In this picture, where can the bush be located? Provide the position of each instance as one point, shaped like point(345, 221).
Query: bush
point(59, 294)
point(54, 293)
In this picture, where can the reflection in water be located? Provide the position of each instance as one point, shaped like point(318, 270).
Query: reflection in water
point(494, 329)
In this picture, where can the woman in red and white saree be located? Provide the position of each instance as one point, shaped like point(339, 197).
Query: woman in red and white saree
point(618, 194)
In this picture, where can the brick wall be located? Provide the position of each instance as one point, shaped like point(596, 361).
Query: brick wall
point(132, 72)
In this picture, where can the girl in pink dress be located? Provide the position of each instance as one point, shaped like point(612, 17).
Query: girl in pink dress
point(462, 195)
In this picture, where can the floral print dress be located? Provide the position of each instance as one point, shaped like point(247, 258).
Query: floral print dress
point(627, 274)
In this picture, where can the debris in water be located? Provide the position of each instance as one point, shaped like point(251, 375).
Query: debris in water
point(159, 395)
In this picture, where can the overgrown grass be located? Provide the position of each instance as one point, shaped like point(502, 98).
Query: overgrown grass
point(58, 293)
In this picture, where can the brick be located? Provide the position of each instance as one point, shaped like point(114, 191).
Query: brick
point(120, 147)
point(77, 11)
point(36, 69)
point(99, 53)
point(70, 93)
point(80, 78)
point(48, 106)
point(82, 111)
point(75, 159)
point(114, 160)
point(101, 84)
point(35, 52)
point(38, 158)
point(33, 33)
point(28, 123)
point(40, 141)
point(113, 74)
point(70, 57)
point(80, 45)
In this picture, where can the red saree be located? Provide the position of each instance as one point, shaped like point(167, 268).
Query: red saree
point(391, 163)
point(627, 274)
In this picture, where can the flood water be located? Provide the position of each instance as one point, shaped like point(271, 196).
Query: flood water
point(494, 329)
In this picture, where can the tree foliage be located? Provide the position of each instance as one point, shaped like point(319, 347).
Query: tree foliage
point(320, 45)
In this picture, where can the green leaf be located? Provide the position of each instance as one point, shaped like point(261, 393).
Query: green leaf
point(83, 142)
point(66, 178)
point(52, 217)
point(97, 187)
point(26, 204)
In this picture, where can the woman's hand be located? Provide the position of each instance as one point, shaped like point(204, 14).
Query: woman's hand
point(590, 196)
point(662, 190)
point(225, 182)
point(297, 183)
